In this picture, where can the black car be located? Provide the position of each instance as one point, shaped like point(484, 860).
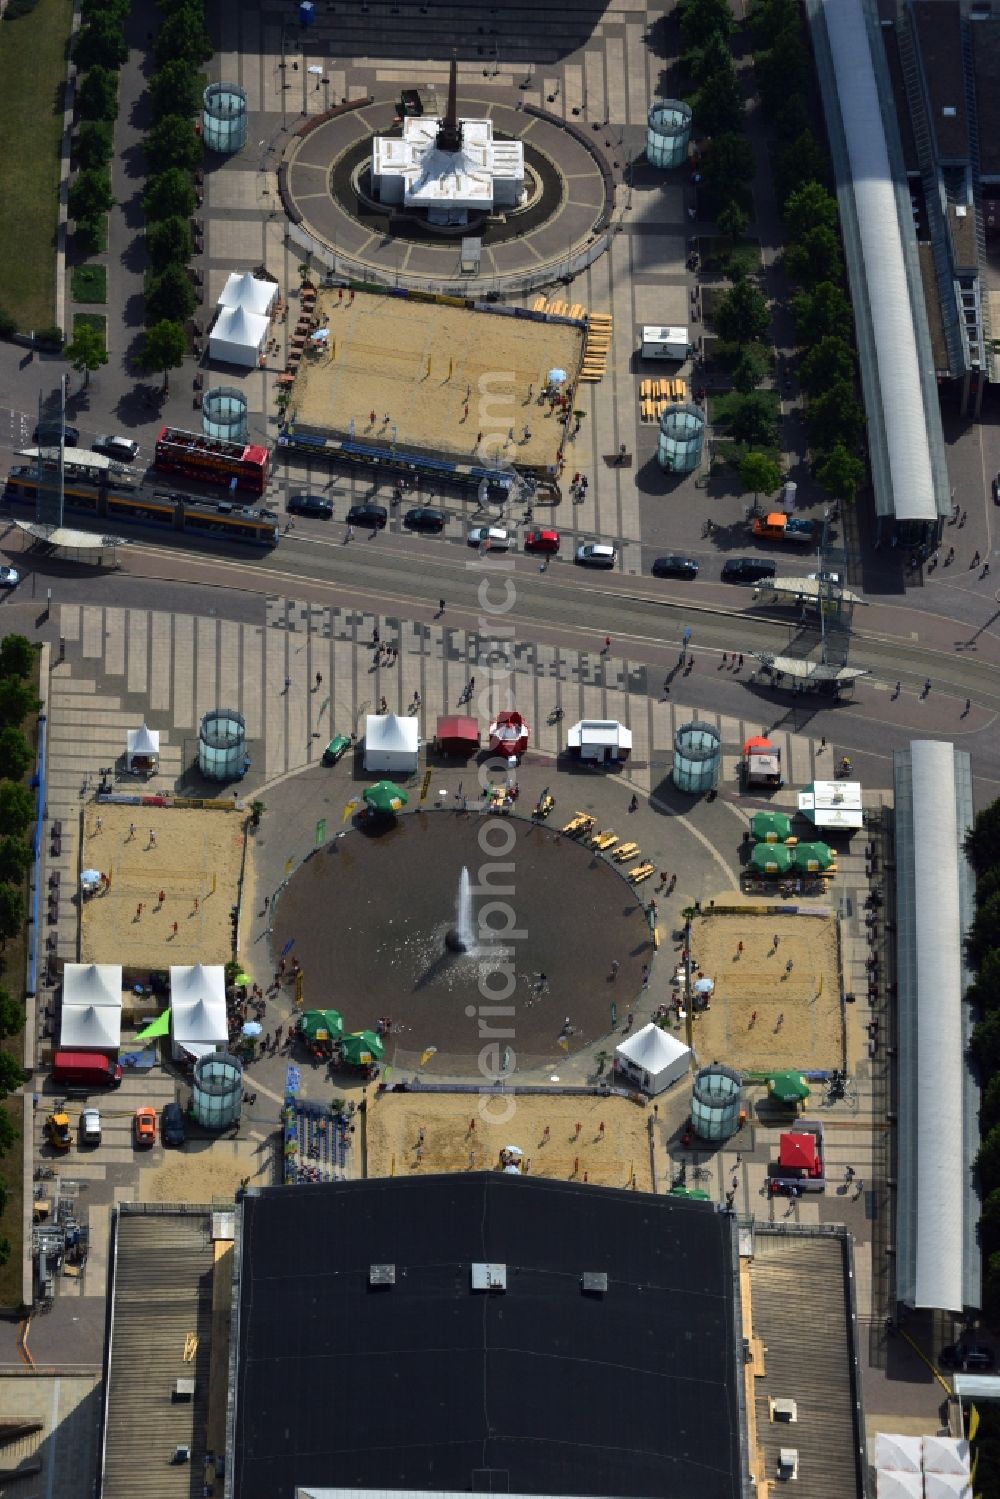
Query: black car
point(172, 1128)
point(675, 567)
point(424, 518)
point(47, 435)
point(310, 504)
point(747, 570)
point(996, 490)
point(967, 1356)
point(375, 516)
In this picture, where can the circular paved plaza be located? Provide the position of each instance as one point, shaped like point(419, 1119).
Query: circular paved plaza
point(369, 915)
point(573, 198)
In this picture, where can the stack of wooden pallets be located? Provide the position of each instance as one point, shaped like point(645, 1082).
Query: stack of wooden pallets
point(656, 395)
point(598, 346)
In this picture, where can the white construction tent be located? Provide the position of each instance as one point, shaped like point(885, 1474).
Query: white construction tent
point(198, 1021)
point(927, 1467)
point(653, 1059)
point(91, 1007)
point(600, 739)
point(142, 749)
point(247, 291)
point(392, 743)
point(238, 337)
point(890, 1484)
point(899, 1452)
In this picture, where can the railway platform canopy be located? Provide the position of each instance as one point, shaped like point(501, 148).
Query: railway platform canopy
point(80, 546)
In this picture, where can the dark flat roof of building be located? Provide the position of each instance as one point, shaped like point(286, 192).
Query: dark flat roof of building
point(939, 29)
point(538, 1389)
point(986, 62)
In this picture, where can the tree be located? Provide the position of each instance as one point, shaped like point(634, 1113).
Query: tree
point(714, 57)
point(750, 368)
point(169, 242)
point(984, 1045)
point(985, 992)
point(11, 921)
point(815, 257)
point(841, 474)
point(15, 856)
point(985, 933)
point(11, 1074)
point(170, 296)
point(100, 43)
point(753, 421)
point(828, 360)
point(810, 207)
point(94, 145)
point(86, 351)
point(982, 841)
point(17, 656)
point(791, 118)
point(116, 9)
point(97, 98)
point(823, 312)
point(989, 1115)
point(164, 348)
point(15, 754)
point(174, 89)
point(718, 105)
point(172, 143)
point(782, 67)
point(759, 474)
point(11, 1015)
point(183, 36)
point(835, 417)
point(742, 317)
point(701, 19)
point(988, 1161)
point(802, 160)
point(16, 701)
point(733, 221)
point(90, 195)
point(16, 808)
point(169, 195)
point(727, 170)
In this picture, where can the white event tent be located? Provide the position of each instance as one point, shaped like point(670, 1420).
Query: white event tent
point(248, 292)
point(392, 743)
point(238, 337)
point(142, 749)
point(198, 1022)
point(91, 1007)
point(600, 739)
point(653, 1059)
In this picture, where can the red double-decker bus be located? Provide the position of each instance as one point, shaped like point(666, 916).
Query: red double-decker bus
point(212, 461)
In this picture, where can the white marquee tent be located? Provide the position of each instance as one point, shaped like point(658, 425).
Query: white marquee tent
point(901, 1453)
point(653, 1058)
point(91, 1007)
point(142, 747)
point(238, 337)
point(198, 1022)
point(891, 1483)
point(946, 1455)
point(947, 1485)
point(392, 743)
point(248, 292)
point(600, 739)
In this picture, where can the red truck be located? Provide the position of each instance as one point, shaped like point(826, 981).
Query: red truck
point(85, 1069)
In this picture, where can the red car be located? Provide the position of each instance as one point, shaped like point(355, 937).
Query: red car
point(541, 541)
point(144, 1127)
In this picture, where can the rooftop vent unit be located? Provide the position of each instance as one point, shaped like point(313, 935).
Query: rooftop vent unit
point(594, 1282)
point(783, 1410)
point(381, 1275)
point(181, 1455)
point(182, 1391)
point(788, 1464)
point(489, 1277)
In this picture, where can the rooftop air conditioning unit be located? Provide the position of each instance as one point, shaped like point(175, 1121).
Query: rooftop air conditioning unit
point(788, 1464)
point(783, 1410)
point(182, 1391)
point(381, 1275)
point(181, 1455)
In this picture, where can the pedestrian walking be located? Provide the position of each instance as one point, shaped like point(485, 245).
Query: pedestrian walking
point(663, 878)
point(319, 680)
point(722, 663)
point(927, 686)
point(349, 535)
point(740, 667)
point(161, 897)
point(615, 965)
point(986, 570)
point(780, 1022)
point(776, 939)
point(634, 803)
point(152, 837)
point(98, 825)
point(288, 683)
point(607, 645)
point(849, 1174)
point(753, 1021)
point(739, 947)
point(968, 706)
point(645, 985)
point(175, 929)
point(975, 559)
point(440, 606)
point(897, 689)
point(197, 903)
point(600, 1129)
point(131, 832)
point(859, 1187)
point(138, 911)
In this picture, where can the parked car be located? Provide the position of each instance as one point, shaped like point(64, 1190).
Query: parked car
point(144, 1127)
point(675, 566)
point(824, 577)
point(90, 1127)
point(9, 577)
point(424, 518)
point(173, 1126)
point(596, 554)
point(967, 1356)
point(494, 538)
point(996, 489)
point(336, 749)
point(121, 449)
point(747, 570)
point(316, 505)
point(57, 1129)
point(546, 541)
point(373, 516)
point(48, 434)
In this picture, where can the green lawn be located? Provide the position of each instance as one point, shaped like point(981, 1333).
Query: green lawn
point(718, 256)
point(32, 78)
point(90, 283)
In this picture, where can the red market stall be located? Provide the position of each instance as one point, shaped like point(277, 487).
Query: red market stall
point(509, 734)
point(800, 1153)
point(457, 735)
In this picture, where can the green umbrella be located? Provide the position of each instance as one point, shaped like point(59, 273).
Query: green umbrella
point(158, 1027)
point(361, 1048)
point(321, 1025)
point(385, 796)
point(813, 857)
point(787, 1087)
point(771, 858)
point(771, 827)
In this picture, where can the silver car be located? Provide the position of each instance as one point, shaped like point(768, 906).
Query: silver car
point(90, 1127)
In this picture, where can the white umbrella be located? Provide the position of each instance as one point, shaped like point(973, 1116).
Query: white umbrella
point(252, 1028)
point(514, 1150)
point(704, 986)
point(90, 879)
point(555, 377)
